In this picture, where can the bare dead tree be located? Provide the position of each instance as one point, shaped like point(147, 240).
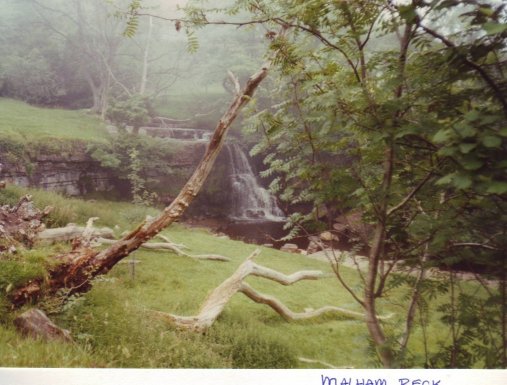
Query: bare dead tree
point(222, 294)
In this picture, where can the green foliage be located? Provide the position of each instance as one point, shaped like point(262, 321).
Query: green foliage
point(36, 66)
point(132, 23)
point(113, 326)
point(140, 160)
point(20, 268)
point(140, 195)
point(474, 341)
point(395, 115)
point(134, 111)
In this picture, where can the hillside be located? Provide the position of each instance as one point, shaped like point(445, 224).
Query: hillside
point(26, 124)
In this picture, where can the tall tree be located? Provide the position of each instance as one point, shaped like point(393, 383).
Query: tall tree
point(384, 110)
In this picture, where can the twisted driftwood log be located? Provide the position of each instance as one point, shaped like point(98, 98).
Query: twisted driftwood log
point(220, 296)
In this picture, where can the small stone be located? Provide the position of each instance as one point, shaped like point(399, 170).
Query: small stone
point(313, 247)
point(340, 227)
point(289, 248)
point(327, 236)
point(35, 323)
point(267, 245)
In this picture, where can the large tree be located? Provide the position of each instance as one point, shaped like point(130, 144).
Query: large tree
point(385, 109)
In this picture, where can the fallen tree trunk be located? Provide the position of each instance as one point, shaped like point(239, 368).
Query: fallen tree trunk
point(221, 295)
point(76, 269)
point(105, 236)
point(171, 247)
point(69, 232)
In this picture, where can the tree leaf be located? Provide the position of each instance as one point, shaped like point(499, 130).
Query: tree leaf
point(472, 115)
point(442, 136)
point(465, 148)
point(492, 28)
point(445, 179)
point(497, 188)
point(472, 164)
point(462, 181)
point(492, 141)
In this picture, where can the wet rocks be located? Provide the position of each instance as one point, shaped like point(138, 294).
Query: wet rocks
point(327, 236)
point(290, 248)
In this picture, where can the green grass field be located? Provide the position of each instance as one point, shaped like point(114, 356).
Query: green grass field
point(25, 123)
point(113, 325)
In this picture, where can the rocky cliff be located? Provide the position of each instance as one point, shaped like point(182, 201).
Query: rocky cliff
point(68, 170)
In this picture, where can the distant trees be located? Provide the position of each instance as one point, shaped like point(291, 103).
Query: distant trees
point(74, 54)
point(65, 57)
point(35, 66)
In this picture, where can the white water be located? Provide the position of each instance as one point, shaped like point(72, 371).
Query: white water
point(250, 201)
point(189, 134)
point(180, 133)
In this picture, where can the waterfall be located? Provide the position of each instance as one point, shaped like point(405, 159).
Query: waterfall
point(250, 201)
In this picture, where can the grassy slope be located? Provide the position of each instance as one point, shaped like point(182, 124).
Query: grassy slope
point(22, 122)
point(113, 326)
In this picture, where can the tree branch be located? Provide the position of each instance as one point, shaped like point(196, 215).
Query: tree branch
point(499, 94)
point(410, 195)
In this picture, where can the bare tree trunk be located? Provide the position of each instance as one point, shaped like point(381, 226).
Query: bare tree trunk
point(372, 321)
point(144, 74)
point(77, 268)
point(416, 294)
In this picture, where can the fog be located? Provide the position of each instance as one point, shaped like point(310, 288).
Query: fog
point(74, 54)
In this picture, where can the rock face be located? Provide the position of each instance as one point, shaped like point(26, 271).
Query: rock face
point(71, 172)
point(69, 169)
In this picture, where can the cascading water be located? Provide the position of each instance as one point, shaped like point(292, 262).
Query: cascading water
point(250, 201)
